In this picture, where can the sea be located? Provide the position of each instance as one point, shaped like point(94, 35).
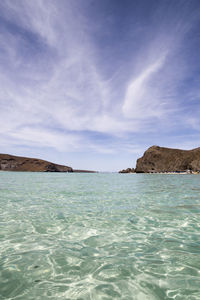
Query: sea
point(99, 236)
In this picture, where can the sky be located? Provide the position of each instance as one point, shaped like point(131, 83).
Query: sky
point(93, 83)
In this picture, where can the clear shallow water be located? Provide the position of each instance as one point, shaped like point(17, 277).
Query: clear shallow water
point(99, 236)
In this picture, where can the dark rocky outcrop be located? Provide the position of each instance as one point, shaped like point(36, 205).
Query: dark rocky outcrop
point(18, 163)
point(160, 159)
point(128, 170)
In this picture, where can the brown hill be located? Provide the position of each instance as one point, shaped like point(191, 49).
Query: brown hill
point(160, 159)
point(18, 163)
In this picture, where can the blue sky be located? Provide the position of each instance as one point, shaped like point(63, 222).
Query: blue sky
point(93, 83)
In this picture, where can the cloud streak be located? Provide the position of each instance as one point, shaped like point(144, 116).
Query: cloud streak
point(137, 94)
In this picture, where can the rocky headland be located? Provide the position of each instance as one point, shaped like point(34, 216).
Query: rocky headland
point(167, 160)
point(18, 163)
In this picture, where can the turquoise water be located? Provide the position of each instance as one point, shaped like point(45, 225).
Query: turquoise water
point(99, 236)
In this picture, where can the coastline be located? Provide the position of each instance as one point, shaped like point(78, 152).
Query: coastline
point(170, 173)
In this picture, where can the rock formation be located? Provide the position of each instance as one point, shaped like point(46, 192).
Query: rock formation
point(160, 159)
point(18, 163)
point(128, 170)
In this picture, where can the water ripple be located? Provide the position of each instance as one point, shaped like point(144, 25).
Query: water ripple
point(99, 236)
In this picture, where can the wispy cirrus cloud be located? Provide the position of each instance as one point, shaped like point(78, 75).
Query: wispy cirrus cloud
point(138, 94)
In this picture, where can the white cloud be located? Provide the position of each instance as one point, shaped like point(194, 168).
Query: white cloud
point(38, 137)
point(139, 101)
point(62, 86)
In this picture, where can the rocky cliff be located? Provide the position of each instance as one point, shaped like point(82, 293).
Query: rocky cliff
point(18, 163)
point(128, 170)
point(160, 159)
